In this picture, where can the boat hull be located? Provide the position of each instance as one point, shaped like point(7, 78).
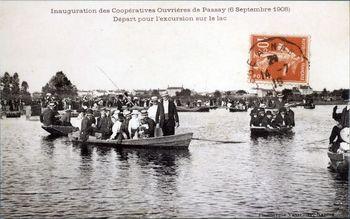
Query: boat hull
point(309, 107)
point(58, 130)
point(180, 141)
point(13, 114)
point(339, 162)
point(233, 110)
point(263, 131)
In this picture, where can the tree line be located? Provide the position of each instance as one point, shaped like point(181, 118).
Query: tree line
point(12, 90)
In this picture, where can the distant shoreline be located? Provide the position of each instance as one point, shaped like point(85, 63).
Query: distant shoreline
point(339, 102)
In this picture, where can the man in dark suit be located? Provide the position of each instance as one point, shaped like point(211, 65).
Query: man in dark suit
point(48, 117)
point(166, 116)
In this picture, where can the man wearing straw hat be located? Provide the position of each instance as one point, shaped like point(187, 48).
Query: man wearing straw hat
point(166, 116)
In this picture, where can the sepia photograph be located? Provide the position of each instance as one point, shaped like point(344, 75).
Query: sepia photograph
point(174, 109)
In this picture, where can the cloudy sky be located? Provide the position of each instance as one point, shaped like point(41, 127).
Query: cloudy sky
point(199, 55)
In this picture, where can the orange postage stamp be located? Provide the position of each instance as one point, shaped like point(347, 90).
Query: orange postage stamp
point(279, 59)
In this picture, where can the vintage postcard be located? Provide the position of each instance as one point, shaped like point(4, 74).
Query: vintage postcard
point(174, 109)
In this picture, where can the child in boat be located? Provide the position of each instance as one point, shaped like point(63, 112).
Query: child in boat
point(117, 132)
point(147, 125)
point(134, 124)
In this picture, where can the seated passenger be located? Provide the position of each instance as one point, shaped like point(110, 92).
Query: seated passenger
point(48, 117)
point(104, 125)
point(261, 116)
point(65, 119)
point(125, 124)
point(281, 119)
point(268, 120)
point(147, 125)
point(134, 124)
point(334, 138)
point(344, 145)
point(114, 116)
point(117, 132)
point(254, 120)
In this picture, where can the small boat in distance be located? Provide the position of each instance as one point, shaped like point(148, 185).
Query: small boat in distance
point(180, 141)
point(59, 130)
point(263, 131)
point(312, 106)
point(13, 114)
point(233, 109)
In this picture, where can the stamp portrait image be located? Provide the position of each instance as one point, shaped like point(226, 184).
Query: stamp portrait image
point(279, 58)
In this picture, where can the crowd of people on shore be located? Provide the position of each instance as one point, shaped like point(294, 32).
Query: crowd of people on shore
point(124, 122)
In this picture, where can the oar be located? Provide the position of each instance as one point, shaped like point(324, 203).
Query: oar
point(218, 141)
point(318, 141)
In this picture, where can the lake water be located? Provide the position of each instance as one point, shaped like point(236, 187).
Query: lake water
point(285, 176)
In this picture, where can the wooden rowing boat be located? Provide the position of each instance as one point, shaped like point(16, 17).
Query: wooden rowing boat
point(264, 131)
point(339, 162)
point(180, 141)
point(192, 109)
point(309, 106)
point(233, 110)
point(59, 130)
point(13, 114)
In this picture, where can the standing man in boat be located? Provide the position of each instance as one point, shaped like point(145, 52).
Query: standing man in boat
point(152, 111)
point(87, 125)
point(279, 102)
point(290, 115)
point(166, 116)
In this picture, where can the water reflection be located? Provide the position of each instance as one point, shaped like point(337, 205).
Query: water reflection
point(48, 176)
point(48, 145)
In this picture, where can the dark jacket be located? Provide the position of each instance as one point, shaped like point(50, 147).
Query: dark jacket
point(124, 127)
point(104, 125)
point(280, 121)
point(266, 121)
point(172, 114)
point(344, 121)
point(151, 125)
point(48, 117)
point(290, 118)
point(86, 128)
point(336, 116)
point(254, 121)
